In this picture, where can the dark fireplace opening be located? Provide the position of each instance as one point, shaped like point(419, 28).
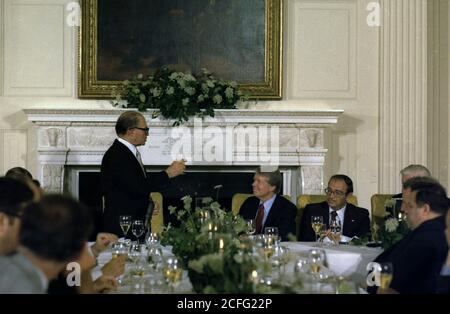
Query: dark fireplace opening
point(195, 184)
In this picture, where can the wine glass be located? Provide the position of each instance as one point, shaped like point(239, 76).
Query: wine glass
point(386, 275)
point(138, 229)
point(251, 226)
point(152, 239)
point(172, 272)
point(154, 257)
point(267, 246)
point(316, 259)
point(135, 252)
point(125, 224)
point(119, 249)
point(317, 224)
point(272, 232)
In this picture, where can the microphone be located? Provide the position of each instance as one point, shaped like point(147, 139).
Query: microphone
point(148, 215)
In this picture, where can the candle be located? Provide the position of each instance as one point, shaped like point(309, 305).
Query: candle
point(221, 245)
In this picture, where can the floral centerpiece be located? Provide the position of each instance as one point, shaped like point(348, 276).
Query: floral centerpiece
point(391, 229)
point(178, 95)
point(208, 244)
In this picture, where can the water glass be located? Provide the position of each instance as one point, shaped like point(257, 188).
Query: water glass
point(138, 229)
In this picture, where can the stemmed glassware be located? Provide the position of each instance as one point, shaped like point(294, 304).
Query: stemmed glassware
point(152, 239)
point(125, 224)
point(251, 226)
point(271, 231)
point(138, 229)
point(316, 261)
point(386, 275)
point(317, 224)
point(172, 272)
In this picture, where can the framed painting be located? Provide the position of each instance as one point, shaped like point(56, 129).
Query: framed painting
point(234, 39)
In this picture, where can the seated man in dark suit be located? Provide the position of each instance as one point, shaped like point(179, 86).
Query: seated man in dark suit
point(417, 259)
point(354, 221)
point(267, 207)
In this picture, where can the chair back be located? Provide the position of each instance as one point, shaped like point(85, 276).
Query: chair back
point(305, 199)
point(239, 198)
point(157, 220)
point(378, 208)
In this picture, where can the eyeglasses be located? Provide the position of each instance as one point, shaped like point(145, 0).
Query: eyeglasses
point(142, 129)
point(329, 191)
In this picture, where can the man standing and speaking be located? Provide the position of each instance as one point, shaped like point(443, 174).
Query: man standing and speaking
point(126, 186)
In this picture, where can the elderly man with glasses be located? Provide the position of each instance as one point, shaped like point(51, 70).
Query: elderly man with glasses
point(126, 186)
point(352, 220)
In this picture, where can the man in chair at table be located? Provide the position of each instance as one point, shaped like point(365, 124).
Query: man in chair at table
point(354, 221)
point(417, 259)
point(267, 207)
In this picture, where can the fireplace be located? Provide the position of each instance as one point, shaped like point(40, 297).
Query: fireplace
point(73, 141)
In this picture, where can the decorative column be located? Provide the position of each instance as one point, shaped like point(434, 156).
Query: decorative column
point(403, 89)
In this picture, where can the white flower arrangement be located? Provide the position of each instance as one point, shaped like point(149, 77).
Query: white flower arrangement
point(178, 95)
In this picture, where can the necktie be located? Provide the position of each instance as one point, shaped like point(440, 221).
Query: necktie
point(333, 215)
point(334, 223)
point(259, 218)
point(138, 157)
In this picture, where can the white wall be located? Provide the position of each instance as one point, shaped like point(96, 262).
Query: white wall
point(331, 61)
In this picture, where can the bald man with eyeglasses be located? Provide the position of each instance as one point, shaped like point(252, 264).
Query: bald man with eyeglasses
point(353, 220)
point(126, 186)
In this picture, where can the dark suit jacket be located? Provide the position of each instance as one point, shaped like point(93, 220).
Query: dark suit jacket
point(125, 188)
point(443, 285)
point(417, 259)
point(281, 215)
point(356, 221)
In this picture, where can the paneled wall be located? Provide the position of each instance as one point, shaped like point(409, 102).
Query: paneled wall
point(333, 59)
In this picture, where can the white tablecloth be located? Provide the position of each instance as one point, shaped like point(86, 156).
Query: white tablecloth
point(342, 260)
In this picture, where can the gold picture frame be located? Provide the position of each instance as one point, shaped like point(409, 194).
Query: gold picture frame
point(114, 42)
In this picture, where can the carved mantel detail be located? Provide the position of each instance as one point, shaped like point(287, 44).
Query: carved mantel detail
point(70, 137)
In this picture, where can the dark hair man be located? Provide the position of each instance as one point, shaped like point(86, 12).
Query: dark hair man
point(267, 207)
point(353, 220)
point(14, 197)
point(53, 233)
point(417, 259)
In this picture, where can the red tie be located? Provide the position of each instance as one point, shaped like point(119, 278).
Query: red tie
point(259, 218)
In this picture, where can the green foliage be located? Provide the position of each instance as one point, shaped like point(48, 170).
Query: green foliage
point(178, 95)
point(212, 267)
point(391, 231)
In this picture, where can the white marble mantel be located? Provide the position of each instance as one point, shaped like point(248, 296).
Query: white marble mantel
point(79, 137)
